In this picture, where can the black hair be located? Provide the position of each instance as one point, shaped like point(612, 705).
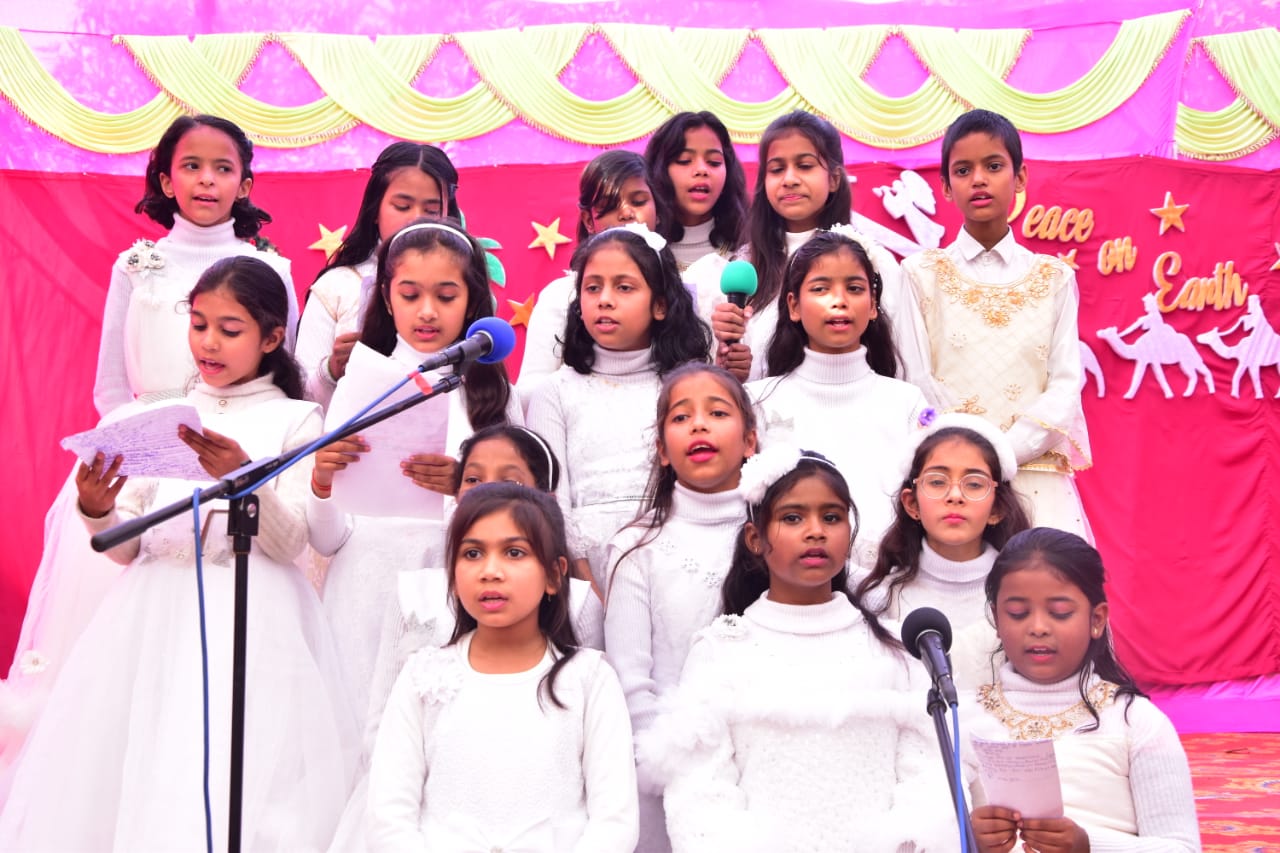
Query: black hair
point(981, 121)
point(655, 508)
point(161, 208)
point(730, 210)
point(786, 349)
point(600, 185)
point(264, 296)
point(1078, 563)
point(767, 230)
point(748, 576)
point(533, 449)
point(488, 391)
point(898, 562)
point(538, 517)
point(364, 236)
point(679, 337)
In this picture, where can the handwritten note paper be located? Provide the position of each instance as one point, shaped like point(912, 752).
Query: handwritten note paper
point(1020, 775)
point(375, 484)
point(148, 441)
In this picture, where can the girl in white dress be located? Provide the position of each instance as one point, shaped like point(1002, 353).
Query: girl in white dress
point(432, 284)
point(511, 737)
point(630, 322)
point(197, 184)
point(797, 725)
point(667, 567)
point(612, 190)
point(1124, 775)
point(831, 384)
point(957, 507)
point(699, 187)
point(407, 181)
point(115, 761)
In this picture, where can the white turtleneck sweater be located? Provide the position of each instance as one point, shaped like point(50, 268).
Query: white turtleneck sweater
point(1127, 783)
point(836, 405)
point(335, 306)
point(956, 589)
point(543, 353)
point(694, 245)
point(600, 427)
point(144, 352)
point(795, 729)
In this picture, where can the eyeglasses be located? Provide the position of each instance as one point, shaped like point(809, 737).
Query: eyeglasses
point(973, 487)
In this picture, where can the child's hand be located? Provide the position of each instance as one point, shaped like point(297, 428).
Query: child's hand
point(342, 347)
point(735, 358)
point(335, 457)
point(98, 485)
point(431, 471)
point(995, 828)
point(218, 454)
point(729, 322)
point(1054, 835)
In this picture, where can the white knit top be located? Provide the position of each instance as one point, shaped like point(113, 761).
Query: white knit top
point(334, 307)
point(600, 427)
point(466, 761)
point(1127, 783)
point(144, 351)
point(795, 729)
point(543, 353)
point(860, 420)
point(695, 244)
point(662, 593)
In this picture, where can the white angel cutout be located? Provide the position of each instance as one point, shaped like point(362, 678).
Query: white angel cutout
point(1259, 349)
point(911, 199)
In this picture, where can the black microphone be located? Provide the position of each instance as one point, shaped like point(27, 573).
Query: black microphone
point(927, 635)
point(488, 341)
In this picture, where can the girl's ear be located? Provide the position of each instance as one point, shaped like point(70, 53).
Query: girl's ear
point(588, 221)
point(1098, 619)
point(245, 186)
point(562, 571)
point(659, 309)
point(663, 458)
point(754, 541)
point(793, 307)
point(273, 340)
point(995, 517)
point(751, 443)
point(837, 175)
point(166, 184)
point(910, 503)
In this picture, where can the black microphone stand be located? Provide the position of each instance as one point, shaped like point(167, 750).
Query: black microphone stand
point(938, 710)
point(242, 526)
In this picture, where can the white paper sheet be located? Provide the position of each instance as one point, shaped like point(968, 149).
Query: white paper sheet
point(1021, 775)
point(375, 484)
point(148, 441)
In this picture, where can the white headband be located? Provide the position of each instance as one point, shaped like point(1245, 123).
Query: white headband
point(847, 230)
point(770, 465)
point(437, 226)
point(546, 449)
point(961, 420)
point(654, 240)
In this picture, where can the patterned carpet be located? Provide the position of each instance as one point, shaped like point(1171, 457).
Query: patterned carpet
point(1237, 784)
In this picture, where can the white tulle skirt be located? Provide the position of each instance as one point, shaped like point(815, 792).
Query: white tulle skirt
point(115, 760)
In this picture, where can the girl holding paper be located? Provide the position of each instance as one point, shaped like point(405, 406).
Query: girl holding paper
point(115, 761)
point(1124, 775)
point(432, 284)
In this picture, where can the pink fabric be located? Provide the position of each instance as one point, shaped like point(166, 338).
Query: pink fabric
point(1248, 705)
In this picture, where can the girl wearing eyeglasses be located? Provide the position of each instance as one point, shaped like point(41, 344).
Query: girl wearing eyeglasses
point(956, 509)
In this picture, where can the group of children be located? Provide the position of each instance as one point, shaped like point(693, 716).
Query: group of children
point(743, 553)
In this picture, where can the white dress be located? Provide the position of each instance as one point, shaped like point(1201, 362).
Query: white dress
point(861, 421)
point(144, 354)
point(1126, 783)
point(660, 595)
point(543, 353)
point(368, 552)
point(335, 306)
point(795, 729)
point(998, 337)
point(115, 761)
point(600, 427)
point(467, 761)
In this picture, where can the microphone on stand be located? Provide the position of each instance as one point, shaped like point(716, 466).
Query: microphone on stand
point(488, 341)
point(738, 282)
point(927, 635)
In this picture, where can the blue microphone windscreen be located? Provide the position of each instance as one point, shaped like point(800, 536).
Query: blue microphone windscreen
point(739, 277)
point(502, 335)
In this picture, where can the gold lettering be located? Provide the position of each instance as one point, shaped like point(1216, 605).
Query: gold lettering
point(1118, 255)
point(1225, 289)
point(1054, 223)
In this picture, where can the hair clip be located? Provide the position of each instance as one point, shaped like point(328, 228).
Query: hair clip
point(436, 226)
point(653, 239)
point(848, 231)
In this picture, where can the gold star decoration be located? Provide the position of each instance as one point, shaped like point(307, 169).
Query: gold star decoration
point(520, 311)
point(548, 238)
point(329, 241)
point(1069, 259)
point(1170, 214)
point(1276, 266)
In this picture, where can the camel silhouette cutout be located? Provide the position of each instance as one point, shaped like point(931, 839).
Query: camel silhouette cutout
point(1159, 345)
point(1090, 367)
point(1259, 349)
